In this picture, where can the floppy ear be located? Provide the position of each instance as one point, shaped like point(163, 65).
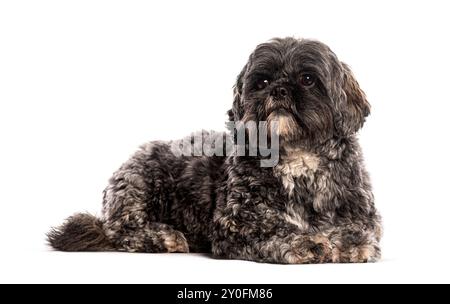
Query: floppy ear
point(236, 113)
point(356, 106)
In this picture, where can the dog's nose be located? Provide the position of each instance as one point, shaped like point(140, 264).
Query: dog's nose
point(280, 92)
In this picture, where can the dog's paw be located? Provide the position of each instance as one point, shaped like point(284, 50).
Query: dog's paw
point(360, 254)
point(309, 250)
point(355, 247)
point(175, 241)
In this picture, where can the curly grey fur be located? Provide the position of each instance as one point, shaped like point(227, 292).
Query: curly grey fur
point(315, 206)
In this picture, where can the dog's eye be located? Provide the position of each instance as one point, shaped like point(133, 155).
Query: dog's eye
point(307, 80)
point(262, 84)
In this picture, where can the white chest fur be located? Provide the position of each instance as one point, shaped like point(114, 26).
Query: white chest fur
point(296, 163)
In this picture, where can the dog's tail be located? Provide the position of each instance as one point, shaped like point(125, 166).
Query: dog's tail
point(81, 232)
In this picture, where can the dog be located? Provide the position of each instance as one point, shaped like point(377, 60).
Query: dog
point(314, 206)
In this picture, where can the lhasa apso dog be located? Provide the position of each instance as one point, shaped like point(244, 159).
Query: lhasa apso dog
point(314, 206)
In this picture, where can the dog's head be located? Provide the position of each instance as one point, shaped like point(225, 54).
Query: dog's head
point(302, 85)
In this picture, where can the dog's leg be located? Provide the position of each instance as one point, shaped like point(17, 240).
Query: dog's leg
point(135, 204)
point(263, 235)
point(289, 249)
point(283, 244)
point(133, 228)
point(152, 238)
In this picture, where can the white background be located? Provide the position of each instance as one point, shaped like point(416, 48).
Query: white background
point(83, 83)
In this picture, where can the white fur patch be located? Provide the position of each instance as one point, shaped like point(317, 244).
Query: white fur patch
point(286, 123)
point(296, 163)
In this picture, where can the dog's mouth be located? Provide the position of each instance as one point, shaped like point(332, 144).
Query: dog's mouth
point(286, 124)
point(278, 111)
point(283, 106)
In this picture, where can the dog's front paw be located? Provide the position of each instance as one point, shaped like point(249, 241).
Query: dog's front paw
point(360, 254)
point(175, 242)
point(309, 250)
point(355, 247)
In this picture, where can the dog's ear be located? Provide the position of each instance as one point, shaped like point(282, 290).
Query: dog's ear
point(236, 113)
point(356, 106)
